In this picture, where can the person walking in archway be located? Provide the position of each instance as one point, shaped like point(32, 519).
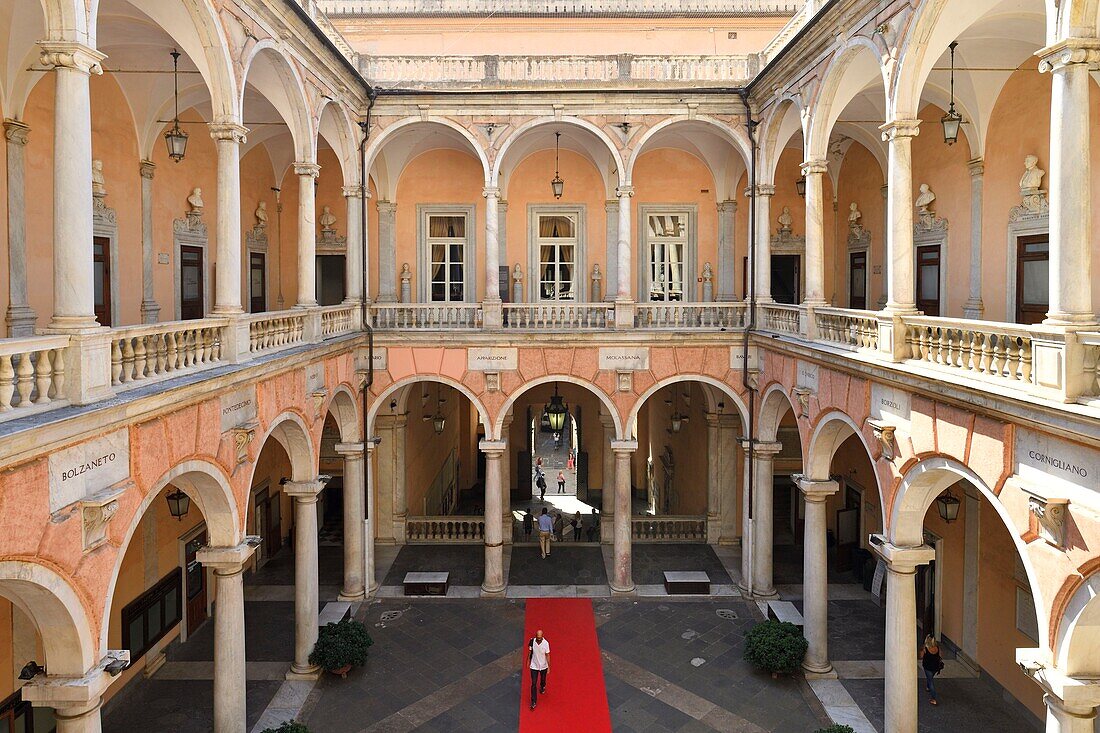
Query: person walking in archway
point(561, 482)
point(528, 525)
point(932, 664)
point(540, 482)
point(546, 526)
point(538, 660)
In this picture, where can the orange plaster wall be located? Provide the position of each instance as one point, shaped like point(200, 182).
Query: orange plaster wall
point(860, 182)
point(7, 650)
point(257, 179)
point(689, 447)
point(951, 567)
point(425, 451)
point(851, 462)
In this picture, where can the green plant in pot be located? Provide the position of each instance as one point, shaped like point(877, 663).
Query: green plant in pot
point(775, 646)
point(341, 646)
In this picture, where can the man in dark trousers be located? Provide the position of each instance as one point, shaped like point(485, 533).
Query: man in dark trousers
point(538, 656)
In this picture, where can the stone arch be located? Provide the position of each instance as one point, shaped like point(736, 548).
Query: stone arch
point(605, 142)
point(50, 601)
point(386, 180)
point(293, 434)
point(334, 124)
point(829, 431)
point(395, 391)
point(725, 178)
point(67, 20)
point(1077, 636)
point(723, 388)
point(780, 127)
point(1077, 19)
point(275, 76)
point(345, 411)
point(774, 404)
point(852, 68)
point(208, 487)
point(498, 424)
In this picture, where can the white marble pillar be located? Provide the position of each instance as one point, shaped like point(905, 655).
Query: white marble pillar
point(493, 585)
point(729, 426)
point(900, 252)
point(1070, 178)
point(400, 500)
point(86, 719)
point(1063, 718)
point(74, 295)
point(307, 233)
point(506, 460)
point(306, 586)
point(20, 316)
point(971, 517)
point(150, 309)
point(714, 479)
point(353, 271)
point(492, 244)
point(623, 271)
point(763, 518)
point(885, 191)
point(229, 649)
point(228, 138)
point(354, 572)
point(607, 493)
point(727, 258)
point(974, 308)
point(901, 632)
point(611, 250)
point(814, 172)
point(764, 193)
point(746, 522)
point(622, 580)
point(815, 584)
point(369, 579)
point(387, 252)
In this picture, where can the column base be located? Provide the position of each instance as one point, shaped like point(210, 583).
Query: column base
point(816, 672)
point(309, 673)
point(21, 321)
point(1070, 319)
point(351, 597)
point(621, 592)
point(69, 324)
point(755, 594)
point(374, 588)
point(490, 592)
point(974, 310)
point(150, 311)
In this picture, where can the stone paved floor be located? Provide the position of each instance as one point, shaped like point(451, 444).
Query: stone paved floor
point(465, 563)
point(965, 705)
point(651, 561)
point(567, 565)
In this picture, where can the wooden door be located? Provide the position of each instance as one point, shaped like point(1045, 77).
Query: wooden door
point(191, 283)
point(928, 279)
point(857, 280)
point(101, 273)
point(194, 583)
point(257, 282)
point(1032, 278)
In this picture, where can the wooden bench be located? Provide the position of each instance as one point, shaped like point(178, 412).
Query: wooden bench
point(426, 584)
point(687, 582)
point(333, 613)
point(785, 611)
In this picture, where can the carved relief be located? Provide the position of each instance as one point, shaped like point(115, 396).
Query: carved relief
point(884, 433)
point(96, 511)
point(1033, 200)
point(1050, 518)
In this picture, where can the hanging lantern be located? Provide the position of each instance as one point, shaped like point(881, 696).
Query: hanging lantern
point(677, 421)
point(438, 421)
point(179, 504)
point(952, 121)
point(948, 506)
point(800, 186)
point(556, 411)
point(176, 139)
point(557, 185)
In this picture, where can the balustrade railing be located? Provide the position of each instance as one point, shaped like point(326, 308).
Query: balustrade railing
point(338, 319)
point(425, 316)
point(668, 529)
point(553, 316)
point(32, 374)
point(690, 315)
point(155, 350)
point(980, 349)
point(689, 68)
point(779, 317)
point(267, 331)
point(1091, 343)
point(453, 529)
point(856, 329)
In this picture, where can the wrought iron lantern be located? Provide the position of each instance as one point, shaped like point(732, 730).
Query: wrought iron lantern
point(557, 185)
point(556, 411)
point(176, 139)
point(948, 506)
point(952, 121)
point(179, 504)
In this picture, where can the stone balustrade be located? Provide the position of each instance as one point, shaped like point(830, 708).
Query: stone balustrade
point(336, 320)
point(280, 329)
point(779, 317)
point(140, 353)
point(425, 316)
point(32, 375)
point(1090, 342)
point(690, 315)
point(855, 329)
point(668, 529)
point(1001, 351)
point(451, 529)
point(558, 316)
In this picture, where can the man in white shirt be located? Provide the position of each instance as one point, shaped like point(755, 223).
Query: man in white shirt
point(546, 527)
point(538, 652)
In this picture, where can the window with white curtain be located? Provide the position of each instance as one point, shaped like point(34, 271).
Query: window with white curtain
point(667, 244)
point(556, 245)
point(446, 244)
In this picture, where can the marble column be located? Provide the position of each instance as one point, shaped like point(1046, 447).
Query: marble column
point(227, 296)
point(764, 193)
point(492, 244)
point(387, 252)
point(1063, 718)
point(746, 521)
point(354, 572)
point(306, 588)
point(607, 493)
point(727, 455)
point(622, 255)
point(74, 297)
point(400, 500)
point(727, 259)
point(622, 580)
point(494, 543)
point(900, 252)
point(901, 626)
point(353, 271)
point(307, 233)
point(714, 479)
point(150, 309)
point(881, 303)
point(86, 719)
point(814, 172)
point(815, 584)
point(229, 648)
point(611, 250)
point(763, 516)
point(974, 308)
point(1069, 62)
point(20, 316)
point(370, 581)
point(506, 460)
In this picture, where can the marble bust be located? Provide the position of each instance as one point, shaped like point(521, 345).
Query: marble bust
point(99, 182)
point(785, 219)
point(261, 215)
point(924, 199)
point(195, 201)
point(327, 219)
point(1033, 175)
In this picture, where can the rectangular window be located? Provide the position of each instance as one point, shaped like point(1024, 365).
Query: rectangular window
point(150, 616)
point(446, 245)
point(669, 271)
point(557, 252)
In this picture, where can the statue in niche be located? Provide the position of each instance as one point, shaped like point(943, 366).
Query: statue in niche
point(195, 202)
point(855, 219)
point(99, 182)
point(261, 215)
point(785, 220)
point(1033, 200)
point(597, 286)
point(327, 220)
point(924, 200)
point(1033, 176)
point(406, 283)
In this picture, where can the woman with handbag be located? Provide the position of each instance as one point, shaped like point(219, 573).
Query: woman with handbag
point(932, 664)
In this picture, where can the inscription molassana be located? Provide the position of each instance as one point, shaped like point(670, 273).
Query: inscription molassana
point(624, 358)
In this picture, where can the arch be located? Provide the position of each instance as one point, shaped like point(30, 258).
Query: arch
point(1077, 638)
point(386, 179)
point(1078, 19)
point(292, 432)
point(67, 20)
point(852, 69)
point(725, 175)
point(207, 485)
point(394, 389)
point(345, 411)
point(50, 602)
point(780, 129)
point(334, 125)
point(774, 403)
point(498, 426)
point(606, 143)
point(742, 409)
point(919, 487)
point(830, 430)
point(275, 76)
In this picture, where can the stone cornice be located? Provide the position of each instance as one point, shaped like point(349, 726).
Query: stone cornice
point(16, 132)
point(898, 129)
point(307, 169)
point(1069, 52)
point(229, 131)
point(71, 55)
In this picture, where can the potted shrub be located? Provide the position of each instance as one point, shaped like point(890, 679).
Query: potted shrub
point(289, 726)
point(836, 728)
point(341, 646)
point(775, 646)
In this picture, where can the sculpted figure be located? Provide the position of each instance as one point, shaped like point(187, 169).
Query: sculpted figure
point(785, 219)
point(855, 217)
point(195, 201)
point(99, 183)
point(261, 215)
point(924, 199)
point(1033, 175)
point(327, 219)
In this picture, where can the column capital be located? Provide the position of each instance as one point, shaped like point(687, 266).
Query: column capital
point(976, 167)
point(71, 55)
point(611, 205)
point(305, 489)
point(350, 451)
point(74, 692)
point(762, 450)
point(16, 132)
point(712, 419)
point(492, 448)
point(624, 192)
point(624, 446)
point(1068, 52)
point(146, 168)
point(1075, 696)
point(814, 167)
point(607, 420)
point(762, 189)
point(901, 559)
point(306, 169)
point(727, 206)
point(491, 192)
point(354, 192)
point(899, 129)
point(228, 558)
point(813, 490)
point(386, 207)
point(229, 132)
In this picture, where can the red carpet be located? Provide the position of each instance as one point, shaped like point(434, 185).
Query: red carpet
point(575, 698)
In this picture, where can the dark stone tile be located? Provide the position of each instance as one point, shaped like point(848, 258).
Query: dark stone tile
point(174, 706)
point(651, 561)
point(567, 565)
point(465, 563)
